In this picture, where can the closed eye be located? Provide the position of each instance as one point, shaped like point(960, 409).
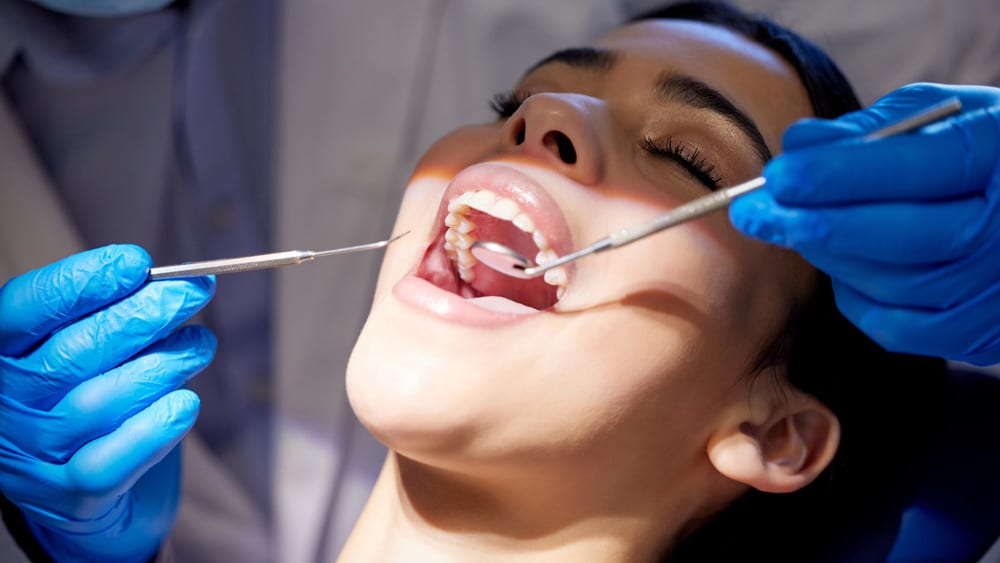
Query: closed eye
point(689, 158)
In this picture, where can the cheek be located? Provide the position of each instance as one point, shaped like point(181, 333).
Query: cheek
point(439, 164)
point(729, 292)
point(773, 281)
point(460, 148)
point(420, 201)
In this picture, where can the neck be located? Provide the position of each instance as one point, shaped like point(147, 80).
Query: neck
point(421, 513)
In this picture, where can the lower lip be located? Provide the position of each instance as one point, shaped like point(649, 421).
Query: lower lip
point(432, 300)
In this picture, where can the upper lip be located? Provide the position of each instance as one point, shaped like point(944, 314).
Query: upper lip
point(507, 181)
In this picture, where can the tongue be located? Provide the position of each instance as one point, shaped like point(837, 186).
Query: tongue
point(501, 305)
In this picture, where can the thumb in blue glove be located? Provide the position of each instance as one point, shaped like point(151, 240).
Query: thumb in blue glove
point(908, 227)
point(91, 408)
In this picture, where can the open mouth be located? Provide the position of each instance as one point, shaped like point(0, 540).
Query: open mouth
point(514, 214)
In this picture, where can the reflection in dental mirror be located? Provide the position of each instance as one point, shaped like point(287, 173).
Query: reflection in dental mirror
point(501, 258)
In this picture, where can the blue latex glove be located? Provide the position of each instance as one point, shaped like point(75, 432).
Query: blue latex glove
point(907, 227)
point(90, 402)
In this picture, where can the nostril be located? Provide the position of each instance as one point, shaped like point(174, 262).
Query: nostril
point(560, 143)
point(519, 133)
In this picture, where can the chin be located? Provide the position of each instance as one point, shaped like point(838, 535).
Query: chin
point(408, 399)
point(435, 316)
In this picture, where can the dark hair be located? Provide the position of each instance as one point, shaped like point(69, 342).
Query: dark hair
point(829, 90)
point(884, 400)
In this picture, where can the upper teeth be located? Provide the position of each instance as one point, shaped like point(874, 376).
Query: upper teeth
point(461, 233)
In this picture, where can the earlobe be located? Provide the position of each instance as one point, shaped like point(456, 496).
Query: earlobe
point(781, 453)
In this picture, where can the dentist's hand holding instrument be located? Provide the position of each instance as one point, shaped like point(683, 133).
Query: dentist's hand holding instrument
point(908, 227)
point(91, 405)
point(91, 400)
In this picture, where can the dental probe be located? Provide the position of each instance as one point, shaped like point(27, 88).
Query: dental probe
point(509, 262)
point(256, 262)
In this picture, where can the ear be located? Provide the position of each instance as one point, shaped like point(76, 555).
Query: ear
point(783, 450)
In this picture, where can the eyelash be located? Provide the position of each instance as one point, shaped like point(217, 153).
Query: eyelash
point(504, 104)
point(689, 158)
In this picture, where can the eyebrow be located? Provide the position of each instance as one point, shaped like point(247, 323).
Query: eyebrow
point(669, 87)
point(589, 58)
point(695, 93)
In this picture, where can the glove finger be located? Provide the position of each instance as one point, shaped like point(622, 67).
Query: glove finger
point(944, 161)
point(105, 468)
point(964, 333)
point(37, 488)
point(891, 108)
point(813, 131)
point(943, 262)
point(103, 340)
point(39, 302)
point(153, 501)
point(138, 521)
point(758, 215)
point(941, 287)
point(887, 233)
point(99, 405)
point(906, 101)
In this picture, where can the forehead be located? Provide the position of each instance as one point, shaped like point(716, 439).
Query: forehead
point(751, 76)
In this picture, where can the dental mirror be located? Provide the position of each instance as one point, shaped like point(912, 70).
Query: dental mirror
point(509, 262)
point(501, 258)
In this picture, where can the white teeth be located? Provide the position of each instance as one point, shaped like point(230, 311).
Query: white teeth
point(458, 239)
point(464, 242)
point(539, 239)
point(505, 209)
point(456, 206)
point(545, 256)
point(523, 222)
point(466, 260)
point(482, 201)
point(466, 272)
point(556, 276)
point(466, 226)
point(459, 223)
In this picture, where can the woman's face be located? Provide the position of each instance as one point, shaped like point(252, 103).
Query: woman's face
point(640, 349)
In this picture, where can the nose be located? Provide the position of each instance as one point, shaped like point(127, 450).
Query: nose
point(561, 130)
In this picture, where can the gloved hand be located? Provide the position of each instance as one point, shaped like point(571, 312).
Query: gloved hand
point(90, 405)
point(908, 227)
